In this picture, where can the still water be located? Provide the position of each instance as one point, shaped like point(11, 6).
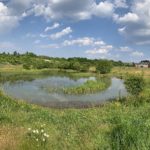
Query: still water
point(35, 91)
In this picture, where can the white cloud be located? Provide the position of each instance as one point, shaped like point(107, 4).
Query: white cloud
point(84, 41)
point(44, 35)
point(100, 50)
point(64, 32)
point(7, 20)
point(76, 10)
point(137, 54)
point(54, 26)
point(136, 23)
point(128, 18)
point(103, 9)
point(99, 43)
point(16, 10)
point(97, 51)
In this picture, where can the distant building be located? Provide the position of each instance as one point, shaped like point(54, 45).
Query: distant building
point(143, 64)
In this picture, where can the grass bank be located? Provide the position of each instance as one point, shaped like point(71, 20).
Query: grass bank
point(113, 126)
point(119, 125)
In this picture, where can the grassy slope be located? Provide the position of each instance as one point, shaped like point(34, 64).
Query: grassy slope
point(116, 125)
point(72, 128)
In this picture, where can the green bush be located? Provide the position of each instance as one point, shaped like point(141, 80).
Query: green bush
point(104, 67)
point(26, 66)
point(134, 84)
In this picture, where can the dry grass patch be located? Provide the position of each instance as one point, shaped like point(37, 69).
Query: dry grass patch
point(10, 138)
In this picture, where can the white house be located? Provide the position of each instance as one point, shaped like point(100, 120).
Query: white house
point(143, 64)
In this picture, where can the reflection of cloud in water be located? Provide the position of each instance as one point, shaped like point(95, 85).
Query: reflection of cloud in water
point(32, 92)
point(59, 97)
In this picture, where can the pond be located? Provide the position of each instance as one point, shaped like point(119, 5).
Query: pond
point(35, 91)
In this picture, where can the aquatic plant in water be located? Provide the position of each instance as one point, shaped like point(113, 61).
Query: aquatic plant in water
point(89, 87)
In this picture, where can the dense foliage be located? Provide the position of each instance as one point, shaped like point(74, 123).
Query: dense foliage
point(104, 67)
point(32, 61)
point(134, 84)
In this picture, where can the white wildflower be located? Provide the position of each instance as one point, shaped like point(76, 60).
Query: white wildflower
point(34, 131)
point(42, 125)
point(37, 139)
point(37, 131)
point(46, 135)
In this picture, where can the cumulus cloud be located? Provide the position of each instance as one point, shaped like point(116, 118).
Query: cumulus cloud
point(100, 50)
point(137, 54)
point(62, 33)
point(15, 10)
point(84, 41)
point(76, 10)
point(136, 23)
point(128, 18)
point(7, 20)
point(54, 26)
point(44, 35)
point(97, 51)
point(103, 9)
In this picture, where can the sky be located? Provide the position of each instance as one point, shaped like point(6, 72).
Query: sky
point(101, 29)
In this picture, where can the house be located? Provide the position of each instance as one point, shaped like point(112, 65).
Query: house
point(143, 64)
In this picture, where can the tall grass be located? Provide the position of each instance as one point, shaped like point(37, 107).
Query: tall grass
point(119, 125)
point(113, 126)
point(131, 133)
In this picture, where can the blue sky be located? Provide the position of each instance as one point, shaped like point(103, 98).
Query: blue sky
point(111, 29)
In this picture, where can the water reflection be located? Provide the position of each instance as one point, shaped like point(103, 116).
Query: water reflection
point(34, 91)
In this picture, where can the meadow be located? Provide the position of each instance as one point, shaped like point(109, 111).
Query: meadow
point(118, 125)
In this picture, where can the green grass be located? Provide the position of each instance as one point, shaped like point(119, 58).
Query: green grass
point(118, 125)
point(113, 126)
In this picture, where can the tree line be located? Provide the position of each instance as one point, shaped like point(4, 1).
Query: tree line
point(30, 60)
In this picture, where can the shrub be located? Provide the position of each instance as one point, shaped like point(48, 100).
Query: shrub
point(104, 66)
point(26, 66)
point(134, 84)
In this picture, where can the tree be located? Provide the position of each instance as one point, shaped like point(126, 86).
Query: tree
point(76, 66)
point(104, 66)
point(134, 84)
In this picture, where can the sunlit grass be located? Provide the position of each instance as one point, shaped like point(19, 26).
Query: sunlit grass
point(118, 125)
